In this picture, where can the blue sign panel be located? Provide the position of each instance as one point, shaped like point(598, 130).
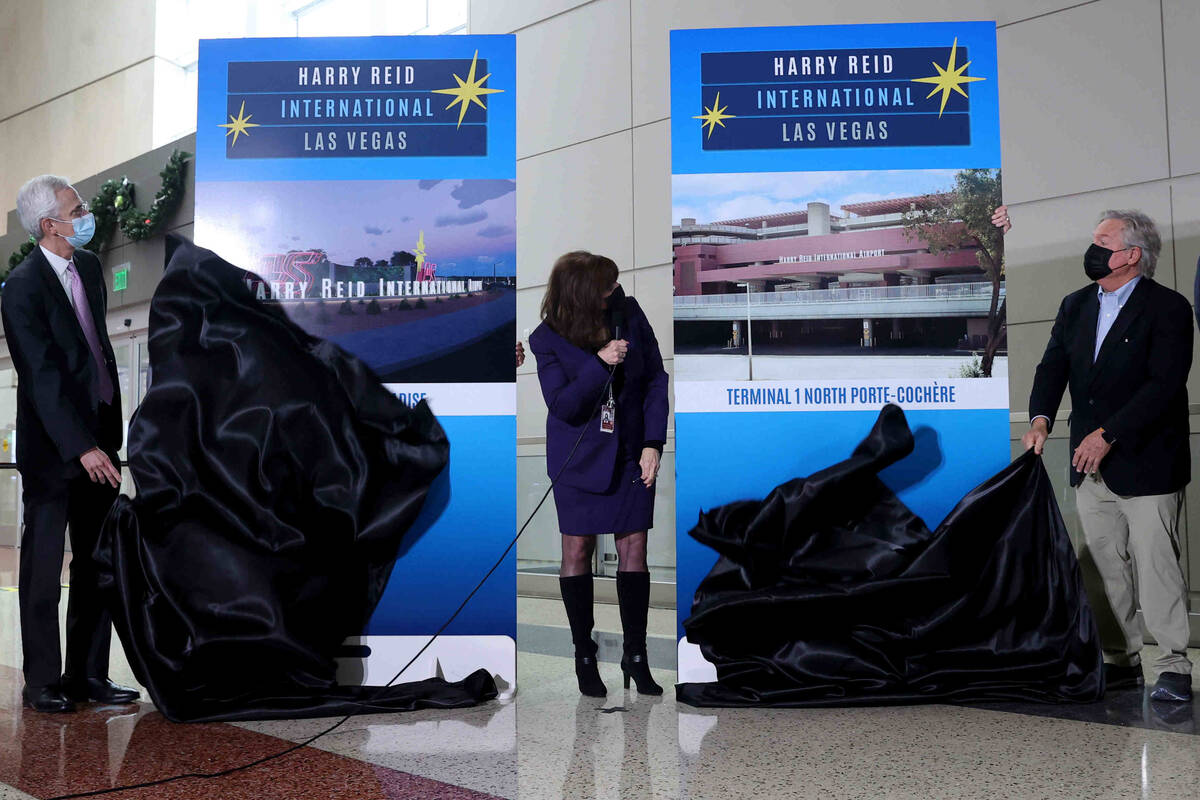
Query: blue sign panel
point(825, 181)
point(369, 183)
point(305, 109)
point(834, 97)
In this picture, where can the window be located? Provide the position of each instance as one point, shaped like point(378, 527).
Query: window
point(181, 24)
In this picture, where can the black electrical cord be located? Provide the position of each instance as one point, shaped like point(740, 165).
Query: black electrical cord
point(366, 706)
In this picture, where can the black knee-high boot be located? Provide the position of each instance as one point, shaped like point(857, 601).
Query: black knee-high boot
point(577, 597)
point(633, 595)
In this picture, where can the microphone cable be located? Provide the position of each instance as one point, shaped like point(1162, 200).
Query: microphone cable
point(364, 707)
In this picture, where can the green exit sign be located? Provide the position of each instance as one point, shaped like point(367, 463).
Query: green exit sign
point(120, 280)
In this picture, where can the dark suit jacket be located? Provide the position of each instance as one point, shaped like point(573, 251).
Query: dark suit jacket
point(1196, 292)
point(59, 415)
point(572, 380)
point(1136, 389)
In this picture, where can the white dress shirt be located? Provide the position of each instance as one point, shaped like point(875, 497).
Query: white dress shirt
point(1111, 304)
point(59, 265)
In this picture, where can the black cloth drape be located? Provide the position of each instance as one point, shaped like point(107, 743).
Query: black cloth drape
point(276, 479)
point(832, 592)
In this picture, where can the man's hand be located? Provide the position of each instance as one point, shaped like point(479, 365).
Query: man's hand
point(1035, 437)
point(520, 354)
point(1091, 452)
point(100, 468)
point(649, 464)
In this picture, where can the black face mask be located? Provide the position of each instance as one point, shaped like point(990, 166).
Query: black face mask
point(1095, 261)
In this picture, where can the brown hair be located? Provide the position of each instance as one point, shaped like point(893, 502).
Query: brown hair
point(574, 301)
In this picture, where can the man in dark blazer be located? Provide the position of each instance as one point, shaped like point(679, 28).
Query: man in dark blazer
point(1124, 347)
point(68, 433)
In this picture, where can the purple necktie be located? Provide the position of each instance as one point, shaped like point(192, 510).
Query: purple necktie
point(83, 312)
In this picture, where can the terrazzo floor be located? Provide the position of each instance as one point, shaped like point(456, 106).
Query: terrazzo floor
point(548, 742)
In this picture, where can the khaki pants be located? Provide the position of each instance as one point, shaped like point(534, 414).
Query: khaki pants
point(1134, 544)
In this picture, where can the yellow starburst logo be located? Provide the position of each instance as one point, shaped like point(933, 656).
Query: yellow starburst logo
point(712, 117)
point(238, 125)
point(948, 80)
point(468, 91)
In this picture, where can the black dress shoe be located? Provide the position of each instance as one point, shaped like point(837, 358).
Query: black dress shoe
point(1173, 687)
point(48, 699)
point(1119, 677)
point(99, 690)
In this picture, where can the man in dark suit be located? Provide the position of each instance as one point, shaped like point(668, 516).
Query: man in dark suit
point(1124, 347)
point(68, 434)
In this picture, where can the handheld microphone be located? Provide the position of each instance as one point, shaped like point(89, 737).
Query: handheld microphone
point(616, 302)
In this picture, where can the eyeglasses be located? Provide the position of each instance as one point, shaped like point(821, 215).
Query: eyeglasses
point(81, 210)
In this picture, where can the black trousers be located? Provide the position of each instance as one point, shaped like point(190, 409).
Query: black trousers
point(51, 504)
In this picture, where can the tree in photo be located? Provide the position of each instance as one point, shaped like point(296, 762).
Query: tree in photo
point(962, 217)
point(399, 260)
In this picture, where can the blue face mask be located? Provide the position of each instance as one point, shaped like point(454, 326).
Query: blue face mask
point(85, 228)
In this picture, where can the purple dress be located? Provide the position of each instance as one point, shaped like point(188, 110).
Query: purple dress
point(600, 490)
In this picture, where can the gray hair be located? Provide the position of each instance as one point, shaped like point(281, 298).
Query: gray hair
point(37, 201)
point(1139, 231)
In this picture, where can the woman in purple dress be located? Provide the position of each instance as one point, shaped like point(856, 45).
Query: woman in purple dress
point(605, 387)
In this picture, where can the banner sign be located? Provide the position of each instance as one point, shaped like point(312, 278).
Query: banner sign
point(369, 185)
point(832, 188)
point(348, 109)
point(829, 98)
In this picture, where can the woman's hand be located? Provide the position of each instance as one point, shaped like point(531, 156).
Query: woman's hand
point(1000, 219)
point(649, 463)
point(614, 352)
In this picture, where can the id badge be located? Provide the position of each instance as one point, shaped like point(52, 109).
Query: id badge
point(608, 416)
